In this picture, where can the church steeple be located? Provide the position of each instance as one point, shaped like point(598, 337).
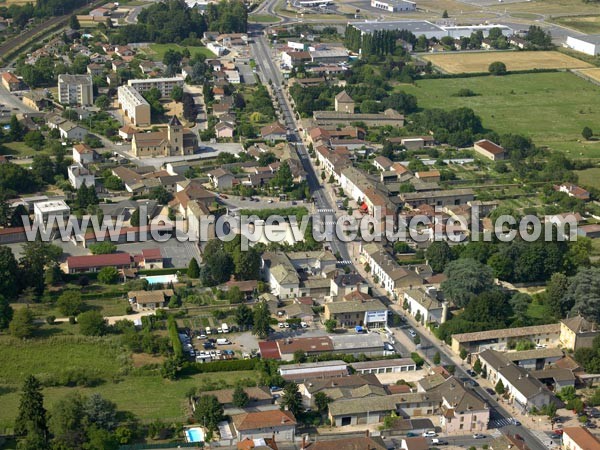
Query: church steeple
point(175, 136)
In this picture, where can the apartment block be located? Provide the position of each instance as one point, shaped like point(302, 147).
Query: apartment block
point(75, 90)
point(134, 105)
point(164, 85)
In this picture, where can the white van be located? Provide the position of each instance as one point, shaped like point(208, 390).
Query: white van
point(225, 328)
point(207, 329)
point(222, 341)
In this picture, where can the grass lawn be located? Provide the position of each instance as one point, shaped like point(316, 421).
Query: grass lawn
point(157, 51)
point(586, 24)
point(589, 177)
point(20, 149)
point(147, 396)
point(263, 18)
point(540, 105)
point(538, 312)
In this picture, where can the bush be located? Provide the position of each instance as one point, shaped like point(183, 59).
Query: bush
point(497, 68)
point(190, 368)
point(419, 361)
point(50, 320)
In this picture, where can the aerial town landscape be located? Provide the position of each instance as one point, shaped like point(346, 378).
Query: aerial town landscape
point(300, 224)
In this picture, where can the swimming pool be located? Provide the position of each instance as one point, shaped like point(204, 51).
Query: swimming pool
point(162, 279)
point(194, 435)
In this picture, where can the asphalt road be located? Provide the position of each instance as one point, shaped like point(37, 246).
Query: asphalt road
point(269, 71)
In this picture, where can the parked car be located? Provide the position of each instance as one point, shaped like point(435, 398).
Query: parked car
point(429, 433)
point(439, 442)
point(478, 436)
point(412, 332)
point(471, 373)
point(515, 422)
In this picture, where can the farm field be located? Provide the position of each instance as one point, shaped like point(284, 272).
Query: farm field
point(590, 177)
point(537, 105)
point(545, 7)
point(157, 51)
point(585, 24)
point(592, 73)
point(479, 62)
point(147, 395)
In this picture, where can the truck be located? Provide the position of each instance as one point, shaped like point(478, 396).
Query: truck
point(222, 341)
point(225, 328)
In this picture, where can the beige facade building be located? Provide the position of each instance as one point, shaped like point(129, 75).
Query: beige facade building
point(577, 332)
point(164, 85)
point(134, 105)
point(75, 90)
point(174, 141)
point(344, 103)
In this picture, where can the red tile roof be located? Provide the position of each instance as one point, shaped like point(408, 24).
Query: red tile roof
point(269, 350)
point(263, 419)
point(494, 149)
point(90, 261)
point(151, 253)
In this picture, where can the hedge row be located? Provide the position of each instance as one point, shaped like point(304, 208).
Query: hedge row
point(174, 336)
point(169, 271)
point(435, 76)
point(191, 368)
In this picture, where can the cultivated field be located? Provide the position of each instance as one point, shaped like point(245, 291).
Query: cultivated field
point(539, 105)
point(479, 62)
point(594, 74)
point(585, 24)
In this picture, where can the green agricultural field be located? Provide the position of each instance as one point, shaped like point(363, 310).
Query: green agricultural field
point(590, 177)
point(539, 105)
point(585, 24)
point(157, 51)
point(147, 396)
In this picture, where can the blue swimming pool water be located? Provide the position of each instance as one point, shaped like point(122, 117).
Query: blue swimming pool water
point(163, 279)
point(194, 435)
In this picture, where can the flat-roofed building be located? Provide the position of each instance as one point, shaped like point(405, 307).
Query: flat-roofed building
point(75, 90)
point(349, 314)
point(394, 5)
point(134, 105)
point(397, 365)
point(164, 85)
point(45, 211)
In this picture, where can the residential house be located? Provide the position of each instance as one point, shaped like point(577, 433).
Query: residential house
point(346, 283)
point(336, 388)
point(281, 275)
point(490, 150)
point(126, 132)
point(273, 132)
point(461, 410)
point(574, 191)
point(414, 142)
point(520, 386)
point(83, 154)
point(46, 211)
point(430, 176)
point(71, 131)
point(579, 438)
point(415, 442)
point(438, 198)
point(37, 100)
point(94, 263)
point(424, 305)
point(79, 176)
point(224, 130)
point(555, 378)
point(156, 299)
point(95, 69)
point(10, 81)
point(577, 332)
point(265, 424)
point(383, 163)
point(221, 178)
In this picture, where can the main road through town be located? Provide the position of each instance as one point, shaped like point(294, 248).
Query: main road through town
point(324, 210)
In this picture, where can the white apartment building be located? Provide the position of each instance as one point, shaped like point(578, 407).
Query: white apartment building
point(164, 85)
point(134, 105)
point(75, 90)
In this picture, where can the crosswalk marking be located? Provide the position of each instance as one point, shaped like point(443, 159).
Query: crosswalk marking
point(325, 210)
point(498, 423)
point(344, 262)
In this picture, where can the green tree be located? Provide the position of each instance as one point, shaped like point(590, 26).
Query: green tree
point(417, 339)
point(108, 275)
point(463, 353)
point(243, 316)
point(497, 68)
point(438, 255)
point(22, 324)
point(437, 358)
point(299, 356)
point(209, 412)
point(66, 421)
point(91, 323)
point(193, 269)
point(6, 313)
point(177, 93)
point(322, 401)
point(17, 131)
point(161, 195)
point(102, 102)
point(103, 248)
point(466, 278)
point(235, 295)
point(583, 294)
point(445, 14)
point(261, 318)
point(134, 220)
point(34, 139)
point(291, 399)
point(240, 397)
point(9, 274)
point(477, 366)
point(69, 303)
point(31, 416)
point(499, 388)
point(587, 133)
point(74, 23)
point(330, 325)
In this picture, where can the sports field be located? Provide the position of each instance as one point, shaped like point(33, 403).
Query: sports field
point(479, 62)
point(539, 105)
